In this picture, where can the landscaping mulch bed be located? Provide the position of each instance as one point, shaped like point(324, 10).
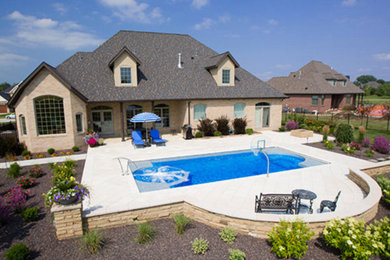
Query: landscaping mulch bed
point(358, 153)
point(40, 235)
point(83, 149)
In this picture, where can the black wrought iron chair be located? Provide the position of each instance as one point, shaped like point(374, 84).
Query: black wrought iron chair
point(329, 204)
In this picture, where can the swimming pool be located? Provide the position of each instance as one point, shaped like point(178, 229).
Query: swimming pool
point(193, 170)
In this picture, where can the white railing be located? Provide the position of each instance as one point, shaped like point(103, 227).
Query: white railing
point(257, 145)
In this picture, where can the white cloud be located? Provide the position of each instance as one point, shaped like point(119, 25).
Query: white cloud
point(133, 10)
point(224, 18)
point(205, 24)
point(60, 8)
point(348, 2)
point(382, 56)
point(265, 75)
point(48, 32)
point(273, 22)
point(199, 3)
point(260, 29)
point(283, 66)
point(7, 59)
point(364, 69)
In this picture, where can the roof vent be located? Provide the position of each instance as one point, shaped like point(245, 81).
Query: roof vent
point(179, 65)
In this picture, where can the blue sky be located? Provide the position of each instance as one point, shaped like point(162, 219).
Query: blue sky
point(268, 37)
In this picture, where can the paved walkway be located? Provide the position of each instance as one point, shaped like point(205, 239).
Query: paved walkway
point(112, 192)
point(75, 157)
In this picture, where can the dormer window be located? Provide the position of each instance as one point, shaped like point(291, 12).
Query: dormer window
point(126, 75)
point(225, 76)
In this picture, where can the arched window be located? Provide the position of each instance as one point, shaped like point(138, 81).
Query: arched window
point(262, 115)
point(22, 121)
point(199, 111)
point(131, 111)
point(239, 110)
point(162, 110)
point(49, 114)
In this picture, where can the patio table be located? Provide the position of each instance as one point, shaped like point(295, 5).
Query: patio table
point(306, 195)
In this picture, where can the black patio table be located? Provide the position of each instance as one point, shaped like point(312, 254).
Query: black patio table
point(306, 195)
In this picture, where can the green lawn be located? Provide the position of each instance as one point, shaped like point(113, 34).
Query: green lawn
point(383, 100)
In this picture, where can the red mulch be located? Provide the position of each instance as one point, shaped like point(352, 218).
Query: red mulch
point(40, 236)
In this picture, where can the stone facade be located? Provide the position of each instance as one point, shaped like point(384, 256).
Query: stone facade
point(67, 220)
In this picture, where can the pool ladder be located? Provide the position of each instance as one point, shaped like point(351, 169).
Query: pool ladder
point(259, 145)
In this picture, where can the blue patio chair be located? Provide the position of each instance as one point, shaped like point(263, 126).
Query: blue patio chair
point(137, 138)
point(155, 135)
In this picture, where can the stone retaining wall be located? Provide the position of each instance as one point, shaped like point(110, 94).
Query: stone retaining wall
point(375, 171)
point(67, 220)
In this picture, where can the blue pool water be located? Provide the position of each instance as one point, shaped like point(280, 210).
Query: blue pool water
point(192, 170)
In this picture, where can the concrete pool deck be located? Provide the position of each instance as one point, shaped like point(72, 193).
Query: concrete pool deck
point(112, 192)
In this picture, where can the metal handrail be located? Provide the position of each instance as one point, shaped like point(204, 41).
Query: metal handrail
point(128, 169)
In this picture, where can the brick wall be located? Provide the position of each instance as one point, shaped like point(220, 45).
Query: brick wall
point(305, 102)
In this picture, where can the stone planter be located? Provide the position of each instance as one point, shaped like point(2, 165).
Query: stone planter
point(70, 201)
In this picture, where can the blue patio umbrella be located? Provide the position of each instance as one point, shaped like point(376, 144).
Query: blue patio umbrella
point(145, 117)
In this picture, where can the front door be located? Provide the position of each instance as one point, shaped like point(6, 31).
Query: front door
point(102, 122)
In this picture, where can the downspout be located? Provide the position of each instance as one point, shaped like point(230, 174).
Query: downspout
point(122, 122)
point(189, 112)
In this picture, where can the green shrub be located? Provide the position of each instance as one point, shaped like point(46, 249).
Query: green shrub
point(198, 134)
point(30, 214)
point(14, 170)
point(300, 119)
point(348, 235)
point(239, 125)
point(9, 145)
point(249, 131)
point(344, 133)
point(369, 153)
point(93, 241)
point(329, 145)
point(282, 129)
point(217, 133)
point(25, 152)
point(145, 232)
point(223, 125)
point(289, 238)
point(50, 150)
point(181, 222)
point(236, 254)
point(62, 172)
point(75, 148)
point(384, 183)
point(18, 252)
point(380, 231)
point(206, 126)
point(228, 235)
point(200, 246)
point(69, 163)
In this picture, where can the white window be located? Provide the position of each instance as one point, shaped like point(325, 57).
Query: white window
point(79, 123)
point(126, 75)
point(49, 113)
point(225, 76)
point(199, 111)
point(23, 124)
point(239, 110)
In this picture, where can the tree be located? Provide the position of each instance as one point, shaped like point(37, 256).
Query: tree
point(363, 79)
point(383, 90)
point(381, 81)
point(4, 85)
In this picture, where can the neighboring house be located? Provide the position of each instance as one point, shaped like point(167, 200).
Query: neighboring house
point(372, 84)
point(316, 86)
point(172, 75)
point(4, 97)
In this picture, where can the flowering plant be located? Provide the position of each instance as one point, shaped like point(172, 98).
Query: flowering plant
point(366, 142)
point(369, 153)
point(349, 236)
point(25, 182)
point(5, 211)
point(381, 144)
point(91, 138)
point(292, 125)
point(35, 172)
point(354, 146)
point(381, 233)
point(66, 190)
point(16, 198)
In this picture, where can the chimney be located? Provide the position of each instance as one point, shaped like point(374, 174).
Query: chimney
point(179, 65)
point(299, 74)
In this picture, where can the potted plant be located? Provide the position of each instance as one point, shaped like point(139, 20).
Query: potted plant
point(91, 138)
point(66, 192)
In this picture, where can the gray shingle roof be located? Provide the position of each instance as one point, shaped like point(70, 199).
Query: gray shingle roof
point(159, 77)
point(5, 95)
point(312, 79)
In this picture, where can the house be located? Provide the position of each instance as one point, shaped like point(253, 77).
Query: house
point(316, 86)
point(172, 75)
point(4, 97)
